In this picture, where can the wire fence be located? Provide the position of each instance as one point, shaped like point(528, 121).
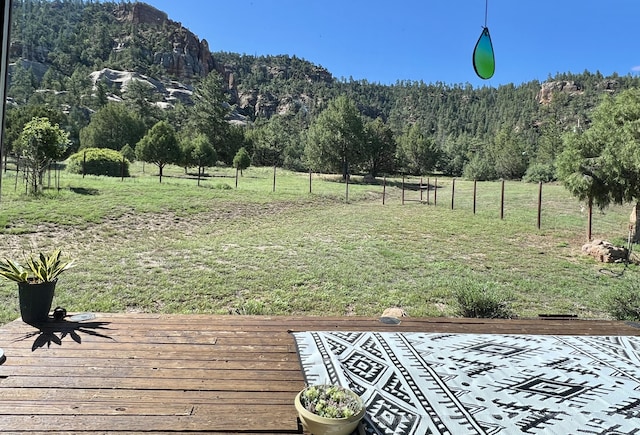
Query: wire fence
point(502, 199)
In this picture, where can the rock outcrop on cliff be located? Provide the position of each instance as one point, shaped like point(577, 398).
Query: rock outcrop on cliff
point(188, 56)
point(548, 89)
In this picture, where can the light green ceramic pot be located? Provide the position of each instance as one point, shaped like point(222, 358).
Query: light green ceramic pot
point(317, 425)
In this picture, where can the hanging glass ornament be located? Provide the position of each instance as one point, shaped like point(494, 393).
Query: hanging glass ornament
point(484, 62)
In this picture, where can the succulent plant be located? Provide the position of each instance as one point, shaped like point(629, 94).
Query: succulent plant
point(35, 270)
point(331, 401)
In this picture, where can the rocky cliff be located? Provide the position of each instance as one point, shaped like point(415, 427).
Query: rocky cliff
point(141, 13)
point(548, 89)
point(571, 88)
point(188, 57)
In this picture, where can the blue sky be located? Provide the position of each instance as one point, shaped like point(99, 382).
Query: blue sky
point(429, 40)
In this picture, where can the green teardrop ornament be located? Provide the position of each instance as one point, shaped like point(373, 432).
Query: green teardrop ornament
point(484, 61)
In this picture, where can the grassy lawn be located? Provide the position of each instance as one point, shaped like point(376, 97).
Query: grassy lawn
point(177, 247)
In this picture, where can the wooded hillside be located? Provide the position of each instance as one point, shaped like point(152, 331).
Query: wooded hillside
point(73, 59)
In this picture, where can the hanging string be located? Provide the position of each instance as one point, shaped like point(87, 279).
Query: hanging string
point(486, 12)
point(484, 62)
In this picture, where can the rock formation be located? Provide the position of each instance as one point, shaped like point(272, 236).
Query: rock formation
point(141, 13)
point(605, 252)
point(171, 91)
point(188, 57)
point(545, 95)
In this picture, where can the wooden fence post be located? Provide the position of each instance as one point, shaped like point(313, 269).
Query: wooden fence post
point(347, 189)
point(539, 204)
point(15, 187)
point(453, 191)
point(5, 26)
point(428, 188)
point(502, 201)
point(309, 180)
point(402, 189)
point(435, 192)
point(420, 189)
point(590, 220)
point(475, 189)
point(384, 188)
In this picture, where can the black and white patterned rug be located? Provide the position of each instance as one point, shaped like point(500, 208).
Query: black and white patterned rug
point(428, 383)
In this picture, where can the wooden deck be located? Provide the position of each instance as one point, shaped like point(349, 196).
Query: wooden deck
point(144, 373)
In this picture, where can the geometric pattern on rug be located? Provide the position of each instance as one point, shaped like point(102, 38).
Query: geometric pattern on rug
point(433, 383)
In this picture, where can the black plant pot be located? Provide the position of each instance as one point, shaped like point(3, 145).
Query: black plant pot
point(35, 301)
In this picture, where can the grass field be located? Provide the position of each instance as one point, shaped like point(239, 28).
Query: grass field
point(177, 247)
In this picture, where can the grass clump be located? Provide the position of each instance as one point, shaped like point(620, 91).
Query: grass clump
point(483, 301)
point(624, 303)
point(249, 308)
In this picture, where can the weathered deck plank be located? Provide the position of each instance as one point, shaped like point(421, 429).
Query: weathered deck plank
point(142, 373)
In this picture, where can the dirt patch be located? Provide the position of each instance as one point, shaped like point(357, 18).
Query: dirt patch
point(129, 226)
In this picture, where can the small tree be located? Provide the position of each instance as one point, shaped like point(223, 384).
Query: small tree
point(159, 146)
point(209, 112)
point(242, 160)
point(335, 140)
point(582, 171)
point(18, 117)
point(186, 150)
point(128, 153)
point(203, 153)
point(380, 151)
point(111, 127)
point(600, 166)
point(39, 144)
point(417, 153)
point(197, 151)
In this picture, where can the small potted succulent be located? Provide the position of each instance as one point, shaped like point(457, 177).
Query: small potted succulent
point(36, 278)
point(329, 409)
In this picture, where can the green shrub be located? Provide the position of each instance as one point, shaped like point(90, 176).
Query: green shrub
point(483, 302)
point(538, 172)
point(128, 153)
point(624, 303)
point(98, 161)
point(479, 169)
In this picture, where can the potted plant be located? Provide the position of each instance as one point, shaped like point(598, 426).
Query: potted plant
point(36, 278)
point(329, 409)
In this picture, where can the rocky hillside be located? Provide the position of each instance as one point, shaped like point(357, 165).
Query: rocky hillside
point(189, 56)
point(139, 42)
point(79, 55)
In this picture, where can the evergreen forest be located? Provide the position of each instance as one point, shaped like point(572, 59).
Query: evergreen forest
point(282, 110)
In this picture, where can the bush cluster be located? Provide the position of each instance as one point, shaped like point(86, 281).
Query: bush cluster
point(537, 172)
point(483, 302)
point(98, 161)
point(624, 303)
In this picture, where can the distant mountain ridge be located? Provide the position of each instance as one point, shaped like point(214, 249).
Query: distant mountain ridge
point(78, 54)
point(172, 53)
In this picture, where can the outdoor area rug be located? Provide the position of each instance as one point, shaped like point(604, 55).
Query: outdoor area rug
point(428, 383)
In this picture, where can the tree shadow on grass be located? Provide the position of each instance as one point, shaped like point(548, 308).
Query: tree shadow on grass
point(55, 331)
point(84, 191)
